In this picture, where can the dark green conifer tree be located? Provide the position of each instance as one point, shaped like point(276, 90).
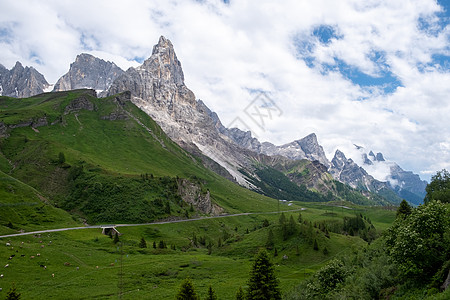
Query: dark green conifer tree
point(404, 209)
point(211, 294)
point(240, 294)
point(143, 243)
point(269, 243)
point(263, 283)
point(316, 246)
point(187, 291)
point(12, 293)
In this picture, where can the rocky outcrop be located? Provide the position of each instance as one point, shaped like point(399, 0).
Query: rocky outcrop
point(20, 82)
point(305, 148)
point(193, 193)
point(88, 72)
point(3, 130)
point(34, 123)
point(347, 171)
point(446, 283)
point(406, 184)
point(410, 182)
point(78, 104)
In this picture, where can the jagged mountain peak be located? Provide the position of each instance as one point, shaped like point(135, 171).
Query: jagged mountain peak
point(305, 148)
point(163, 44)
point(88, 71)
point(21, 82)
point(164, 63)
point(18, 65)
point(379, 157)
point(339, 155)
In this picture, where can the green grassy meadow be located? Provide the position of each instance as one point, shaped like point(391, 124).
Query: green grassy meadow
point(149, 273)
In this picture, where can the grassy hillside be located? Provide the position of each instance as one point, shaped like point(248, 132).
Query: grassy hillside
point(22, 207)
point(105, 160)
point(216, 252)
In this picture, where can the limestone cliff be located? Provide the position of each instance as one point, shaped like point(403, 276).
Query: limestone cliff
point(88, 72)
point(20, 82)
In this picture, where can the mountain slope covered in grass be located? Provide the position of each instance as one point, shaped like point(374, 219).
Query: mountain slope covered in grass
point(105, 160)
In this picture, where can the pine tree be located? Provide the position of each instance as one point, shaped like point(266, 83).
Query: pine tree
point(263, 283)
point(292, 226)
point(275, 253)
point(282, 219)
point(142, 243)
point(154, 245)
point(211, 294)
point(187, 291)
point(240, 294)
point(316, 246)
point(12, 293)
point(209, 247)
point(270, 243)
point(61, 158)
point(404, 209)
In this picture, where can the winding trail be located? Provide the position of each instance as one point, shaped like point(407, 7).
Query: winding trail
point(146, 224)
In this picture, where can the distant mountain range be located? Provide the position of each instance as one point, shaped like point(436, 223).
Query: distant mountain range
point(158, 88)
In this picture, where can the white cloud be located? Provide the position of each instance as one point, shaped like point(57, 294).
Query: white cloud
point(229, 50)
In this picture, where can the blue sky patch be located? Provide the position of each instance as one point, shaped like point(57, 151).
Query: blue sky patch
point(386, 79)
point(6, 34)
point(325, 33)
point(441, 60)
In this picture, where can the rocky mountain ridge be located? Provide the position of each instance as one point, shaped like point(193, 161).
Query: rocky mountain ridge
point(88, 72)
point(347, 171)
point(406, 184)
point(20, 82)
point(305, 148)
point(158, 88)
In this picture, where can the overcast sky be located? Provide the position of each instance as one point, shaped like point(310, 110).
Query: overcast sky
point(371, 73)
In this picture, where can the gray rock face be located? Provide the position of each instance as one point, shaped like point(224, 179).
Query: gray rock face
point(192, 193)
point(409, 181)
point(305, 148)
point(157, 87)
point(88, 72)
point(20, 82)
point(406, 184)
point(245, 139)
point(79, 104)
point(347, 171)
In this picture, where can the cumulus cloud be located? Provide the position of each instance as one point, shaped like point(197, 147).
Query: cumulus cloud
point(369, 72)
